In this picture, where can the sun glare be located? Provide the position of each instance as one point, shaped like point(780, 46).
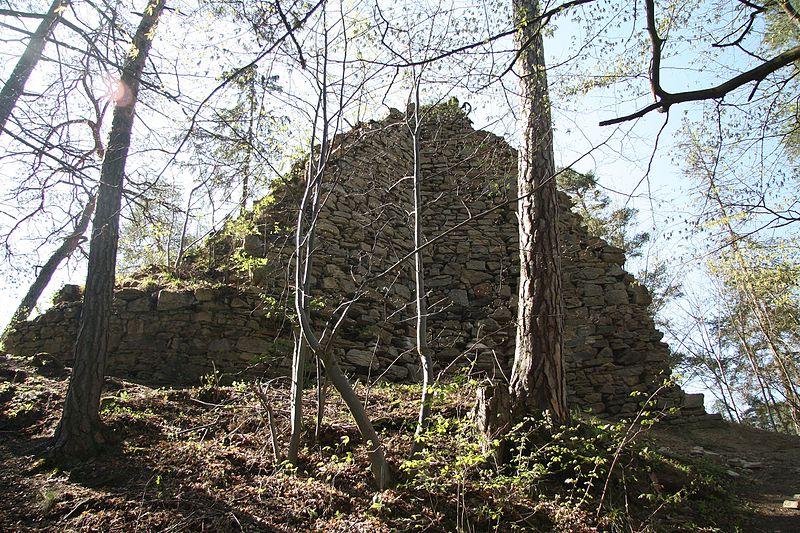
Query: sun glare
point(116, 91)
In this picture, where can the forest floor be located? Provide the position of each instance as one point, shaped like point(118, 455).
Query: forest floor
point(201, 459)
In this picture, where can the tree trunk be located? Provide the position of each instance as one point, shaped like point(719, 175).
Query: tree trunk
point(80, 432)
point(304, 246)
point(246, 181)
point(423, 349)
point(537, 380)
point(16, 82)
point(66, 249)
point(304, 258)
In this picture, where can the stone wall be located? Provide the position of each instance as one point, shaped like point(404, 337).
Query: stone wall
point(170, 337)
point(365, 227)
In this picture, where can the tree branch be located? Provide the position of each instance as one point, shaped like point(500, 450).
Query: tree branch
point(666, 99)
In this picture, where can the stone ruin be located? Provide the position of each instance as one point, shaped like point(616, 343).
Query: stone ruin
point(233, 318)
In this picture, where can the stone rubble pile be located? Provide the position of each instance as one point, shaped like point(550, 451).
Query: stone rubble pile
point(615, 356)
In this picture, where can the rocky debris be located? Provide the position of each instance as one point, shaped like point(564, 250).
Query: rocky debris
point(47, 365)
point(737, 466)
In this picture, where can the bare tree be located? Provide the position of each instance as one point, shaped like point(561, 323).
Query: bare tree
point(19, 76)
point(326, 121)
point(45, 274)
point(665, 99)
point(80, 432)
point(414, 121)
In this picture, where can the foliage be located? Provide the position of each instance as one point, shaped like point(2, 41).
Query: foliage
point(149, 233)
point(760, 284)
point(593, 466)
point(218, 436)
point(782, 32)
point(744, 348)
point(614, 224)
point(235, 150)
point(449, 109)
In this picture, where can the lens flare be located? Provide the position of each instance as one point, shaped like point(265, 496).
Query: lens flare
point(117, 92)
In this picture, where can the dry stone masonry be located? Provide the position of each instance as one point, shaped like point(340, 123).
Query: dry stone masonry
point(239, 323)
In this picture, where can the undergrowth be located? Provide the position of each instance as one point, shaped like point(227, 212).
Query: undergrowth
point(588, 475)
point(199, 458)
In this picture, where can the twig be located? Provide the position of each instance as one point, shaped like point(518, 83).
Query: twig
point(76, 508)
point(198, 428)
point(270, 421)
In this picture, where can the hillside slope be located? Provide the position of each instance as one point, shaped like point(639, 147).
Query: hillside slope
point(201, 459)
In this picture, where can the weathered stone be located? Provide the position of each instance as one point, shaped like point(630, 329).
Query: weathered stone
point(476, 265)
point(142, 305)
point(135, 327)
point(594, 301)
point(640, 295)
point(204, 316)
point(68, 293)
point(448, 354)
point(402, 291)
point(482, 290)
point(359, 358)
point(459, 297)
point(254, 345)
point(203, 294)
point(259, 274)
point(591, 273)
point(693, 401)
point(168, 300)
point(128, 294)
point(439, 281)
point(396, 373)
point(590, 289)
point(220, 345)
point(239, 303)
point(474, 277)
point(363, 228)
point(253, 245)
point(616, 297)
point(502, 313)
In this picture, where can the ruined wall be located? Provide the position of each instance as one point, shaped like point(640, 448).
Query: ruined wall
point(365, 226)
point(164, 336)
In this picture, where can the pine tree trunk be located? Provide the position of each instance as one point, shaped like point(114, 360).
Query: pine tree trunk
point(13, 88)
point(66, 249)
point(537, 380)
point(80, 433)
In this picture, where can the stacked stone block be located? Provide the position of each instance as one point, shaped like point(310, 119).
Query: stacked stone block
point(364, 230)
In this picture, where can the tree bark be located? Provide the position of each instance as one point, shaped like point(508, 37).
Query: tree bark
point(423, 349)
point(309, 341)
point(13, 88)
point(66, 249)
point(304, 258)
point(538, 379)
point(80, 433)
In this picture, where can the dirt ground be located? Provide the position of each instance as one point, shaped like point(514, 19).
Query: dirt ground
point(202, 460)
point(763, 468)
